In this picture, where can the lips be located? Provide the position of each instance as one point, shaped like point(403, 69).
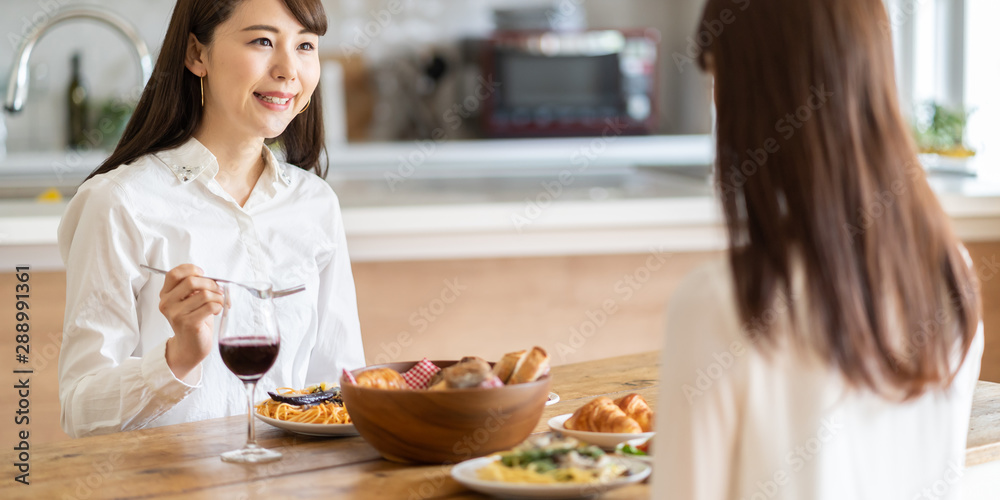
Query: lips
point(272, 100)
point(277, 101)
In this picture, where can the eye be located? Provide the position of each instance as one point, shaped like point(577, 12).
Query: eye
point(307, 46)
point(264, 42)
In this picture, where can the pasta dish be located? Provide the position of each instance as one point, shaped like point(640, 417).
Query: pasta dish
point(312, 405)
point(547, 459)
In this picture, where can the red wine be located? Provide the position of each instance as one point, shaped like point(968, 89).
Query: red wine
point(249, 358)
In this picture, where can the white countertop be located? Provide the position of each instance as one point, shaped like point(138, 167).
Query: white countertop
point(478, 213)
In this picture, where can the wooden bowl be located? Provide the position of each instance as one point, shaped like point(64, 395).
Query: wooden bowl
point(420, 426)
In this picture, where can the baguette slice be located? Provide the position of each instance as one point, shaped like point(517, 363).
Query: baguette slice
point(508, 364)
point(533, 367)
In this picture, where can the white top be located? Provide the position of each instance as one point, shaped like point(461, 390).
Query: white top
point(734, 424)
point(167, 209)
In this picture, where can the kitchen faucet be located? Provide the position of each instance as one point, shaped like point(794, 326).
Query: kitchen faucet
point(17, 88)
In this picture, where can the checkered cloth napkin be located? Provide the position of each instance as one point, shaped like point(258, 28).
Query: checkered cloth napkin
point(421, 373)
point(350, 377)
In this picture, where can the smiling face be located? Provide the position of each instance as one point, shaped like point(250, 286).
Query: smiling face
point(260, 70)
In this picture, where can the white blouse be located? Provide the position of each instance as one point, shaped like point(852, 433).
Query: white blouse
point(736, 424)
point(167, 209)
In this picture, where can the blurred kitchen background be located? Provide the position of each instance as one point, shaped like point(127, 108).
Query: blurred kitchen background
point(405, 61)
point(432, 46)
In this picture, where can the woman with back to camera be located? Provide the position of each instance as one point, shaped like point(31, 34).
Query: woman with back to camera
point(192, 187)
point(834, 354)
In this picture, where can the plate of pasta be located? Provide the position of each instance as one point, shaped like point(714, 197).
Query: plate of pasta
point(316, 410)
point(549, 466)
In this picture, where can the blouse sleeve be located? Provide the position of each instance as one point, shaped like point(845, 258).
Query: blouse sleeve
point(103, 388)
point(702, 370)
point(338, 343)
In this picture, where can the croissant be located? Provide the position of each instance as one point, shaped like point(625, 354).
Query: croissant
point(602, 415)
point(636, 407)
point(381, 378)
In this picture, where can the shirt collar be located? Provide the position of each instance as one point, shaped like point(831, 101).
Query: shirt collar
point(192, 160)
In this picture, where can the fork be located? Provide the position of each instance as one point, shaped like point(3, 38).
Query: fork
point(261, 294)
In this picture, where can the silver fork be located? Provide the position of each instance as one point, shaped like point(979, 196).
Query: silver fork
point(261, 294)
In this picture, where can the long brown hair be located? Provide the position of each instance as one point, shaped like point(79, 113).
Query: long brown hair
point(815, 164)
point(169, 110)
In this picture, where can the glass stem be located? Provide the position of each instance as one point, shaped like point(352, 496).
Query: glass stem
point(251, 436)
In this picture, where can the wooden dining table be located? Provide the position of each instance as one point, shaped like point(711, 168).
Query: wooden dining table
point(182, 461)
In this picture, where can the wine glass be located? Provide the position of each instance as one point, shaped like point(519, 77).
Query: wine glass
point(248, 344)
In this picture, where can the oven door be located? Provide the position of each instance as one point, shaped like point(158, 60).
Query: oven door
point(570, 84)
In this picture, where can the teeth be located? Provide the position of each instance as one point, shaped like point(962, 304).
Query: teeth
point(272, 100)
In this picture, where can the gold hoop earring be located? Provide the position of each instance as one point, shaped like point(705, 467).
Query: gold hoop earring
point(307, 106)
point(201, 81)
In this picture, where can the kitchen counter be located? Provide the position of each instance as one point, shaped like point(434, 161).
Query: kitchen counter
point(182, 461)
point(561, 198)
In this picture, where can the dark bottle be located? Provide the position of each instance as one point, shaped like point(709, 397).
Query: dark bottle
point(77, 102)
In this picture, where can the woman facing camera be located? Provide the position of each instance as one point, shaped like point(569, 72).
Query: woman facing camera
point(833, 355)
point(193, 187)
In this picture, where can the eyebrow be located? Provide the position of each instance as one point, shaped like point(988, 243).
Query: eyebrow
point(272, 29)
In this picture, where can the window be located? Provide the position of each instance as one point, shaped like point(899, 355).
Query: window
point(982, 75)
point(946, 51)
point(930, 50)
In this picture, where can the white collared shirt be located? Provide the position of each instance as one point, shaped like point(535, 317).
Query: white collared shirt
point(167, 209)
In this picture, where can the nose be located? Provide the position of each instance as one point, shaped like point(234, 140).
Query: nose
point(284, 66)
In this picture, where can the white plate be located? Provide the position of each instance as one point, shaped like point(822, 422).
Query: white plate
point(553, 399)
point(465, 473)
point(634, 442)
point(322, 430)
point(606, 440)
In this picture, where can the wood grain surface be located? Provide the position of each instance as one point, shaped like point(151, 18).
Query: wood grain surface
point(508, 303)
point(182, 461)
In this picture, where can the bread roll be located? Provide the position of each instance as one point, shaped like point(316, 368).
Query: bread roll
point(470, 373)
point(635, 407)
point(381, 378)
point(602, 415)
point(507, 364)
point(533, 367)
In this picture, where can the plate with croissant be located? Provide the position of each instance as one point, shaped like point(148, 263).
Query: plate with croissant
point(606, 422)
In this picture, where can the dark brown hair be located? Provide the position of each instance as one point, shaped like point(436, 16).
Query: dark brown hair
point(169, 109)
point(815, 165)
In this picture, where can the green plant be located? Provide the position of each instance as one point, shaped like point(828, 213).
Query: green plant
point(940, 129)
